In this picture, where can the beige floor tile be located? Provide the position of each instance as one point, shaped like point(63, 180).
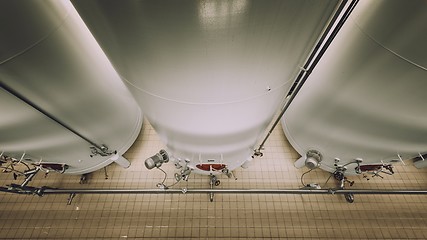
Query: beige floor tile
point(230, 216)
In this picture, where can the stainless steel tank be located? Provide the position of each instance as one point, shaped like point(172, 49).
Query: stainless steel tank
point(208, 75)
point(365, 100)
point(60, 90)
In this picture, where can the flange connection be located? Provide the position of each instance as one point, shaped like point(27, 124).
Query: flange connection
point(313, 159)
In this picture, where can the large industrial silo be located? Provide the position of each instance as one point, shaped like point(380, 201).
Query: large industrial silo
point(365, 100)
point(208, 75)
point(62, 102)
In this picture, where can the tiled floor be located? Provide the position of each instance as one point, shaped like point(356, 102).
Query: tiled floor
point(230, 216)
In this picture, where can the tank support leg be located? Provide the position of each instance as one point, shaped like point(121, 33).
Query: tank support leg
point(105, 172)
point(213, 182)
point(70, 198)
point(123, 162)
point(84, 178)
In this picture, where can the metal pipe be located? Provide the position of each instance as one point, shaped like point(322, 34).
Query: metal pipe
point(29, 176)
point(313, 59)
point(236, 191)
point(44, 112)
